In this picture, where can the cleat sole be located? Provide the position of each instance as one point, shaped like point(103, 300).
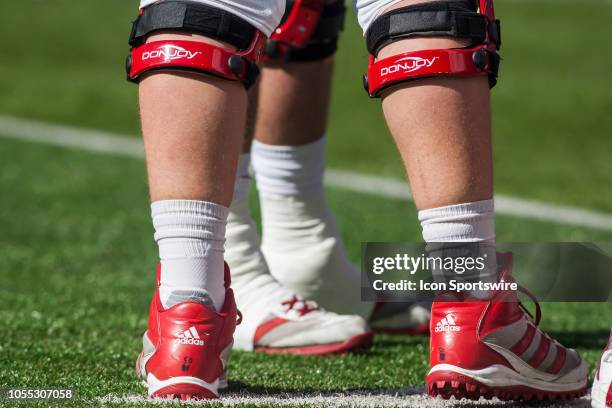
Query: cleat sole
point(184, 392)
point(355, 344)
point(447, 384)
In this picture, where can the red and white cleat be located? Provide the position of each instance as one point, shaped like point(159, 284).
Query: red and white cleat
point(300, 327)
point(276, 318)
point(492, 349)
point(186, 348)
point(601, 393)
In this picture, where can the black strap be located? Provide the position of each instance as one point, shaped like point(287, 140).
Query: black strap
point(331, 22)
point(439, 18)
point(192, 17)
point(324, 40)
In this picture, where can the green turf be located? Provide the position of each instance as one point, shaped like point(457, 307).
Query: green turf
point(551, 108)
point(77, 273)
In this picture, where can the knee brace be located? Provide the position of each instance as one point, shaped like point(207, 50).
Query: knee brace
point(468, 19)
point(193, 56)
point(309, 31)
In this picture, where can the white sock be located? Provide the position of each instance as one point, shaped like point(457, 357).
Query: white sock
point(190, 235)
point(301, 241)
point(289, 170)
point(469, 222)
point(462, 223)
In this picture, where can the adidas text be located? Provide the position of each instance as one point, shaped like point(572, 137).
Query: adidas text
point(195, 342)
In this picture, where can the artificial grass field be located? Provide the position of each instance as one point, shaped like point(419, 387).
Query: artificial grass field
point(76, 251)
point(77, 275)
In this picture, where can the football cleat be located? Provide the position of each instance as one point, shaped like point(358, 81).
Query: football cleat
point(300, 327)
point(601, 393)
point(276, 320)
point(493, 349)
point(186, 348)
point(404, 318)
point(305, 250)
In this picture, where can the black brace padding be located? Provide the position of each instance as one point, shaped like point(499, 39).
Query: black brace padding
point(192, 17)
point(438, 18)
point(324, 41)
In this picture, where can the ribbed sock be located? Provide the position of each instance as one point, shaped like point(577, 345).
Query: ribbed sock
point(468, 222)
point(190, 235)
point(462, 230)
point(289, 170)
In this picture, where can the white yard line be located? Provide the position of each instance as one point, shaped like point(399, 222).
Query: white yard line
point(401, 397)
point(505, 205)
point(122, 145)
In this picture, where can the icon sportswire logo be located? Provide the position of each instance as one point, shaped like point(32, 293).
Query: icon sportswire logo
point(448, 324)
point(170, 53)
point(408, 64)
point(189, 336)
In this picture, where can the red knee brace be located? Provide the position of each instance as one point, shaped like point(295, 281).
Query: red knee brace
point(185, 55)
point(461, 20)
point(197, 57)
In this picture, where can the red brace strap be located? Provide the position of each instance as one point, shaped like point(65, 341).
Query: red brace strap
point(197, 57)
point(479, 60)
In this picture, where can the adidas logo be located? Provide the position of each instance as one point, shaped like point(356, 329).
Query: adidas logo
point(189, 336)
point(447, 324)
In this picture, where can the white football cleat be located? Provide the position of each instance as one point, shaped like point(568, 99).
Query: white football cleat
point(275, 319)
point(601, 393)
point(300, 327)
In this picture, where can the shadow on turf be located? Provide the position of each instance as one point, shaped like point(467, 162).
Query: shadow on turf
point(399, 340)
point(239, 387)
